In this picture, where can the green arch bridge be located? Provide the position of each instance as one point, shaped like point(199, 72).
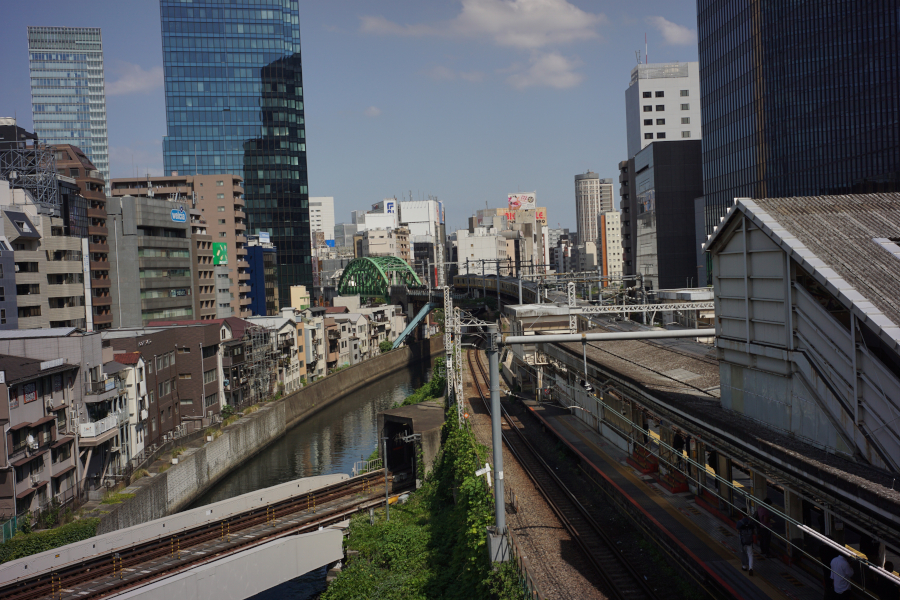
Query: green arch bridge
point(372, 276)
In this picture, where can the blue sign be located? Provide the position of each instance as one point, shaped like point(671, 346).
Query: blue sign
point(178, 215)
point(389, 208)
point(329, 243)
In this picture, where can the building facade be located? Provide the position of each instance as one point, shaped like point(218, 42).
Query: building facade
point(218, 236)
point(234, 104)
point(658, 236)
point(662, 102)
point(262, 260)
point(609, 245)
point(593, 196)
point(802, 104)
point(72, 162)
point(321, 215)
point(68, 97)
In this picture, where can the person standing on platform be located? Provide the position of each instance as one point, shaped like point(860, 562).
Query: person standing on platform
point(841, 572)
point(764, 516)
point(745, 528)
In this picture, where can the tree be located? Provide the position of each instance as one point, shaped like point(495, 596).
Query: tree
point(386, 346)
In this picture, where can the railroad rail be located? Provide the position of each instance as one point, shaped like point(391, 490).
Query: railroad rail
point(621, 579)
point(127, 568)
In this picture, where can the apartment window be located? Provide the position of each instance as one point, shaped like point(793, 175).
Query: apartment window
point(2, 294)
point(220, 183)
point(2, 316)
point(184, 376)
point(685, 107)
point(222, 234)
point(220, 196)
point(660, 94)
point(648, 121)
point(685, 134)
point(685, 120)
point(184, 402)
point(220, 209)
point(210, 400)
point(221, 221)
point(184, 350)
point(685, 93)
point(648, 108)
point(661, 135)
point(648, 136)
point(164, 388)
point(209, 376)
point(660, 121)
point(647, 95)
point(660, 107)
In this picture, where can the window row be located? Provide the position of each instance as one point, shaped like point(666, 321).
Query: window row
point(662, 135)
point(661, 107)
point(684, 94)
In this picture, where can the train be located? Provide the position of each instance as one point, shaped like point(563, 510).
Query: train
point(509, 286)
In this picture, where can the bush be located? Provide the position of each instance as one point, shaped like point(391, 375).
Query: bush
point(227, 411)
point(138, 474)
point(229, 420)
point(386, 346)
point(32, 543)
point(178, 451)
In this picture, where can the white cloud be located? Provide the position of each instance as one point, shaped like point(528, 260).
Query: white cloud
point(673, 33)
point(526, 24)
point(548, 70)
point(372, 111)
point(442, 73)
point(133, 79)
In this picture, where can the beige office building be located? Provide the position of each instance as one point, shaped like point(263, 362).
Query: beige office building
point(221, 284)
point(593, 196)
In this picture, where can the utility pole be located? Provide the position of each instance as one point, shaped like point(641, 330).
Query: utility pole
point(496, 441)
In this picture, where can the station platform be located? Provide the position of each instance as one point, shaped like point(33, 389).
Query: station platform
point(711, 542)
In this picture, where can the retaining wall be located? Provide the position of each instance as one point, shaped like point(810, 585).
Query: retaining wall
point(199, 469)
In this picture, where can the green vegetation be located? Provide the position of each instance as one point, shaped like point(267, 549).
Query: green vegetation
point(26, 544)
point(229, 420)
point(434, 546)
point(178, 451)
point(116, 498)
point(431, 390)
point(138, 474)
point(386, 346)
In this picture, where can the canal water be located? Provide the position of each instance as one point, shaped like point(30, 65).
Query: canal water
point(328, 442)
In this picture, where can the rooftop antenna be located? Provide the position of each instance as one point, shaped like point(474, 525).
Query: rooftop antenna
point(646, 51)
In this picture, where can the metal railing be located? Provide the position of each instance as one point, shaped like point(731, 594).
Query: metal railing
point(100, 427)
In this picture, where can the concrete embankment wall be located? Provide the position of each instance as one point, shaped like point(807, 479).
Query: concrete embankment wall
point(199, 469)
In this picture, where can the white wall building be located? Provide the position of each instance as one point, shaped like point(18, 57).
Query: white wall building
point(593, 196)
point(609, 243)
point(423, 217)
point(321, 215)
point(481, 244)
point(662, 102)
point(379, 242)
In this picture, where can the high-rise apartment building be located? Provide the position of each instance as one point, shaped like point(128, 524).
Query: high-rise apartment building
point(593, 196)
point(609, 245)
point(218, 224)
point(72, 162)
point(662, 102)
point(798, 99)
point(68, 99)
point(321, 215)
point(263, 260)
point(234, 104)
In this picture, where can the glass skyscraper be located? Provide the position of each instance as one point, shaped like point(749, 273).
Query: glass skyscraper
point(67, 91)
point(798, 99)
point(234, 104)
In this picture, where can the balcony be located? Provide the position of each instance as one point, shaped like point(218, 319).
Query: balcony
point(96, 213)
point(243, 276)
point(102, 248)
point(100, 282)
point(97, 429)
point(95, 230)
point(246, 301)
point(101, 300)
point(99, 265)
point(239, 214)
point(240, 227)
point(98, 391)
point(334, 334)
point(102, 318)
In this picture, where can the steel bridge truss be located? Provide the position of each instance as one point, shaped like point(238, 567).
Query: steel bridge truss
point(372, 276)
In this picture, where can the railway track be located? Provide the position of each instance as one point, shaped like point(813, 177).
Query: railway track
point(622, 581)
point(127, 568)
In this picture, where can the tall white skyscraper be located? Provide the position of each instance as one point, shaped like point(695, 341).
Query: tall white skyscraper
point(593, 196)
point(321, 215)
point(68, 99)
point(662, 102)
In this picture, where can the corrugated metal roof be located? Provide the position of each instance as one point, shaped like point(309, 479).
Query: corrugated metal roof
point(844, 241)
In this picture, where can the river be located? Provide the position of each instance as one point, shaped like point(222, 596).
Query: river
point(328, 442)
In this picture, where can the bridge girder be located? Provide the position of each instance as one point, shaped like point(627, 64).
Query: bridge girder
point(372, 276)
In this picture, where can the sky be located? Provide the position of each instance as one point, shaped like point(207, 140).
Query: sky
point(465, 100)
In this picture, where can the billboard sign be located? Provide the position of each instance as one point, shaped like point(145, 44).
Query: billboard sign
point(540, 215)
point(179, 215)
point(220, 253)
point(264, 237)
point(521, 201)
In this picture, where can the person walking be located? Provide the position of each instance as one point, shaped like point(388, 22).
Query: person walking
point(841, 572)
point(764, 516)
point(745, 529)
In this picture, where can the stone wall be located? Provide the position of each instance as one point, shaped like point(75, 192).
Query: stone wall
point(199, 468)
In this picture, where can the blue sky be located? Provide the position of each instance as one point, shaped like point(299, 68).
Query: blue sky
point(465, 100)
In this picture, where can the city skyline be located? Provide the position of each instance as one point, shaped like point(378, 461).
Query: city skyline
point(398, 92)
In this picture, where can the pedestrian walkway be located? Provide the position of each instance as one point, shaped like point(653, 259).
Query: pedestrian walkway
point(711, 542)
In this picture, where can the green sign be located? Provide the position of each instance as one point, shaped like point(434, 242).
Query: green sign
point(220, 253)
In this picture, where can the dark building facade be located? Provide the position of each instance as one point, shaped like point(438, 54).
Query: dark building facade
point(798, 99)
point(262, 258)
point(658, 189)
point(234, 104)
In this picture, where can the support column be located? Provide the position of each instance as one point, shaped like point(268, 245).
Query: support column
point(496, 440)
point(725, 492)
point(760, 488)
point(793, 507)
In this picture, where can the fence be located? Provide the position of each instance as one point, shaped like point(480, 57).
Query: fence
point(520, 560)
point(10, 527)
point(365, 466)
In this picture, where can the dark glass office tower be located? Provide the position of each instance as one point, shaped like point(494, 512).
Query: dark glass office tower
point(798, 98)
point(234, 104)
